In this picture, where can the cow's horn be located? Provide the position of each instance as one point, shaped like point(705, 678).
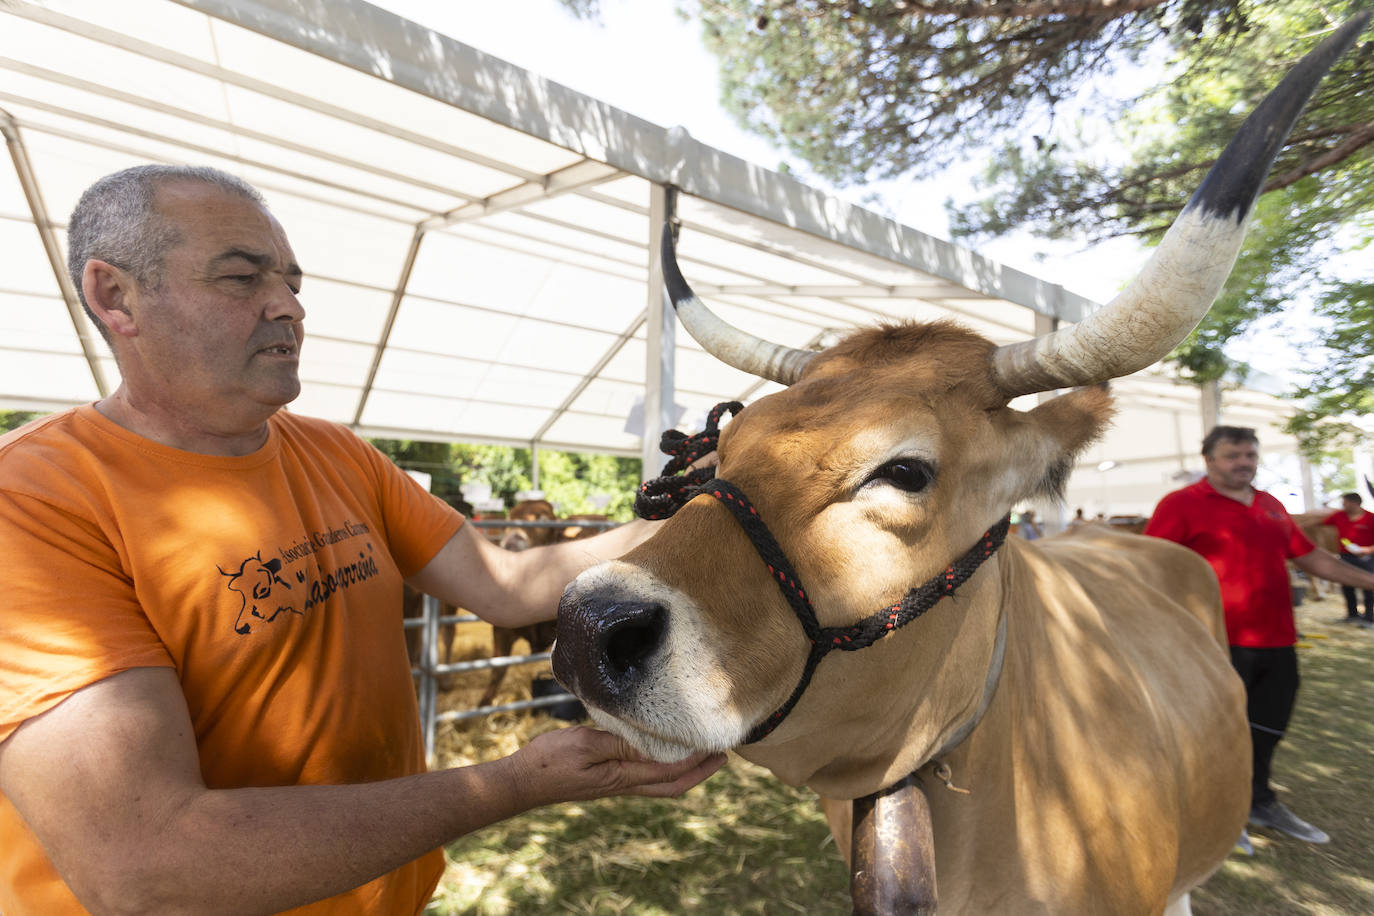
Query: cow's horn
point(1177, 286)
point(726, 342)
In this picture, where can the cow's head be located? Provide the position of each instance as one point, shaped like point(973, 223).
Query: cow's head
point(885, 458)
point(529, 510)
point(254, 583)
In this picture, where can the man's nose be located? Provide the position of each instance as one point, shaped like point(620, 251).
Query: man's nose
point(284, 305)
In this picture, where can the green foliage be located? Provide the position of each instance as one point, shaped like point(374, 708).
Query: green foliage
point(879, 89)
point(590, 484)
point(589, 10)
point(884, 88)
point(1321, 189)
point(433, 458)
point(13, 419)
point(1342, 383)
point(573, 482)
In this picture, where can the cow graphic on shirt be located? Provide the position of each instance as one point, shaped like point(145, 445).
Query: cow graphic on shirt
point(255, 582)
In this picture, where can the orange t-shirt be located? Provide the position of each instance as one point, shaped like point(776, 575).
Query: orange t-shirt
point(271, 582)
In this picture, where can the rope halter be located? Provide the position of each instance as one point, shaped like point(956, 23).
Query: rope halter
point(661, 497)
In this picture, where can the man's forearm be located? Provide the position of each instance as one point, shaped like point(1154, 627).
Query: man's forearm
point(1325, 565)
point(537, 577)
point(305, 843)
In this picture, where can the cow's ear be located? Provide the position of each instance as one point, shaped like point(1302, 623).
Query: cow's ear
point(1044, 443)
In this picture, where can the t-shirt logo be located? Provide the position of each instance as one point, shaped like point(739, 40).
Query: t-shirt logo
point(255, 583)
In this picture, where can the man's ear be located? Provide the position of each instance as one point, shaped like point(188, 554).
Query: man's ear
point(110, 292)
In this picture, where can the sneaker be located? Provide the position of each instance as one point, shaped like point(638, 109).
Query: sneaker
point(1244, 845)
point(1277, 817)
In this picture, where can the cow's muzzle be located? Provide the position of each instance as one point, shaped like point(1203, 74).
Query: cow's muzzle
point(607, 645)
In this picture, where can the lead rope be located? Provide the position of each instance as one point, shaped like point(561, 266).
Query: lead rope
point(661, 497)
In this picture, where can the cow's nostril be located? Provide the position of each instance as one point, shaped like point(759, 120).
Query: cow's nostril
point(631, 639)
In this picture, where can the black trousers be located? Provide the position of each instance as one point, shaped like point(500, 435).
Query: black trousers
point(1365, 562)
point(1271, 685)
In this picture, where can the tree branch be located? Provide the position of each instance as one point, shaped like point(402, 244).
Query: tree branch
point(1027, 9)
point(1358, 138)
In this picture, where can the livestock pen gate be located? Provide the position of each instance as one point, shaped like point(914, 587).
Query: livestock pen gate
point(429, 671)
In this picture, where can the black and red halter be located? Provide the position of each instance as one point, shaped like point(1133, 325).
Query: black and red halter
point(661, 497)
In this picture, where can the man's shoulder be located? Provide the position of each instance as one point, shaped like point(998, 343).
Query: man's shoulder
point(39, 429)
point(1184, 495)
point(1270, 502)
point(36, 444)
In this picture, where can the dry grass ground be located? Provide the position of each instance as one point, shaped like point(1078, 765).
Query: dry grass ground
point(744, 843)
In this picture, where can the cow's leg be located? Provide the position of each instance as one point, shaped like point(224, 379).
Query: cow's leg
point(892, 852)
point(1180, 907)
point(448, 633)
point(502, 642)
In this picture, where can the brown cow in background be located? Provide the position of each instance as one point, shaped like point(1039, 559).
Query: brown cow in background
point(540, 636)
point(1325, 537)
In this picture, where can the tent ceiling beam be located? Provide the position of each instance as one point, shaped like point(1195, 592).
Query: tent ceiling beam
point(34, 127)
point(214, 123)
point(923, 291)
point(591, 375)
point(568, 179)
point(23, 168)
point(446, 70)
point(407, 265)
point(161, 54)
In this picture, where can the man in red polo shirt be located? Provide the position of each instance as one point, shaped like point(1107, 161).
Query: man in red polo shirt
point(1246, 534)
point(1355, 527)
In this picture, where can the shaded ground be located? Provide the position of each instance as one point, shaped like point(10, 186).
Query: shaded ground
point(745, 843)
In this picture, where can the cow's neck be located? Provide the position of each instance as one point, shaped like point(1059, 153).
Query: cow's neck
point(888, 709)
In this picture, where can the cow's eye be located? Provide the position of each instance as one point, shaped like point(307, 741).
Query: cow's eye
point(910, 474)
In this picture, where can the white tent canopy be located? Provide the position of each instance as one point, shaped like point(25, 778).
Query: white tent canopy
point(479, 243)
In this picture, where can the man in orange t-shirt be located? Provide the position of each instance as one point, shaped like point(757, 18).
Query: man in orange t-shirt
point(205, 698)
point(1355, 528)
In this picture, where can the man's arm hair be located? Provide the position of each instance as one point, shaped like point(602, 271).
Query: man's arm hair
point(109, 781)
point(515, 588)
point(1325, 565)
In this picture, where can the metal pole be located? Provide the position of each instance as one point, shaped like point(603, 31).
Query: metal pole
point(659, 333)
point(429, 686)
point(23, 169)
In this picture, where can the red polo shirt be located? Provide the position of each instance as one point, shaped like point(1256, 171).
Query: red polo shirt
point(1358, 531)
point(1246, 547)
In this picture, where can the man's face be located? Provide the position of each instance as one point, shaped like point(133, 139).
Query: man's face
point(1232, 465)
point(1351, 507)
point(223, 330)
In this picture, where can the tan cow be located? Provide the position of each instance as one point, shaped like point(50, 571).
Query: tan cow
point(1325, 537)
point(1074, 695)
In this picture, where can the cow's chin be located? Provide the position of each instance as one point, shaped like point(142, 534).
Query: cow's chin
point(664, 748)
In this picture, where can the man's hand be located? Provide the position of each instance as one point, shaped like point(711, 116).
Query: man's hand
point(708, 460)
point(581, 763)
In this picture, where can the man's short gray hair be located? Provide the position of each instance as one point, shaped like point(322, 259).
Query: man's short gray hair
point(115, 221)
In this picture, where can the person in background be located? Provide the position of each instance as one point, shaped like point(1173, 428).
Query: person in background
point(1028, 527)
point(1245, 535)
point(205, 700)
point(1355, 528)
